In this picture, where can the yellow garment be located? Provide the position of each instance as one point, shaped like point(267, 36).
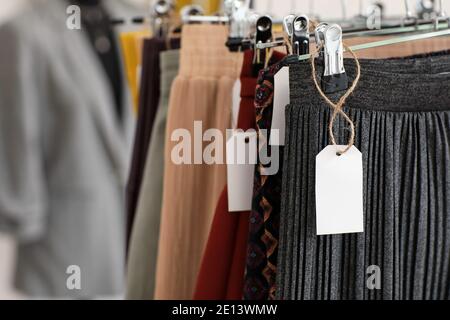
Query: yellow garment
point(131, 43)
point(181, 3)
point(210, 6)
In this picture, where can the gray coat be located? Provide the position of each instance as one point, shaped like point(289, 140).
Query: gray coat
point(63, 156)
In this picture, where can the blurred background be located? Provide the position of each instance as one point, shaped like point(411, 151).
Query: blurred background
point(326, 9)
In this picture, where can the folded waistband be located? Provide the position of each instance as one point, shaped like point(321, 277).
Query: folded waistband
point(412, 84)
point(203, 52)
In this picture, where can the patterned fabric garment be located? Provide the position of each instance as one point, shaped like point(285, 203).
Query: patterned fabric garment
point(262, 249)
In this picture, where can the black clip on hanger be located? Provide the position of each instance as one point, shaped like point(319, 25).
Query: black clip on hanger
point(288, 27)
point(300, 35)
point(191, 10)
point(263, 35)
point(160, 13)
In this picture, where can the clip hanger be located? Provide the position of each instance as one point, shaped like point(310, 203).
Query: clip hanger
point(288, 24)
point(425, 9)
point(319, 36)
point(334, 78)
point(192, 10)
point(159, 14)
point(288, 27)
point(319, 33)
point(297, 30)
point(300, 35)
point(441, 16)
point(263, 35)
point(238, 12)
point(263, 29)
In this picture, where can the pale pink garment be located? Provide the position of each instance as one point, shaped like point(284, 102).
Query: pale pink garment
point(201, 92)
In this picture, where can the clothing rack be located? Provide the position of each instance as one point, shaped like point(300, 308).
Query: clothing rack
point(391, 41)
point(422, 26)
point(217, 19)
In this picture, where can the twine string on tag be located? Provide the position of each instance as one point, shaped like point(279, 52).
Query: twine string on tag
point(337, 107)
point(269, 55)
point(287, 43)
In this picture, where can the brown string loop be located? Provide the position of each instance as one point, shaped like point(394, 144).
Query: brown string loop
point(269, 54)
point(337, 107)
point(287, 42)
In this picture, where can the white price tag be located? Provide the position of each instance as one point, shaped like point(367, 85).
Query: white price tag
point(236, 101)
point(241, 160)
point(281, 99)
point(339, 191)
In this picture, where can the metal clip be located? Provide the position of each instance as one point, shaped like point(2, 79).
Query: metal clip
point(334, 77)
point(159, 14)
point(288, 27)
point(441, 16)
point(263, 29)
point(409, 17)
point(238, 19)
point(191, 10)
point(319, 33)
point(300, 35)
point(297, 30)
point(425, 9)
point(238, 11)
point(263, 35)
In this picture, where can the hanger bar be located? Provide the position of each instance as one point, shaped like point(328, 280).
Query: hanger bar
point(387, 42)
point(394, 30)
point(380, 32)
point(216, 19)
point(268, 45)
point(203, 19)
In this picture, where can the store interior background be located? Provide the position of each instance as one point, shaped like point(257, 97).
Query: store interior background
point(326, 9)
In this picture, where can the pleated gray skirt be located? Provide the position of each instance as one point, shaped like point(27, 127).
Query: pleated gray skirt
point(401, 109)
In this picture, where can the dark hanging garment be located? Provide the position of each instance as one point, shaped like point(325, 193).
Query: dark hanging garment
point(262, 246)
point(149, 95)
point(143, 247)
point(401, 110)
point(96, 22)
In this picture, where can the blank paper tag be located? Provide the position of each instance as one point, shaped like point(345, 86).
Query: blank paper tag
point(339, 191)
point(236, 103)
point(241, 161)
point(281, 99)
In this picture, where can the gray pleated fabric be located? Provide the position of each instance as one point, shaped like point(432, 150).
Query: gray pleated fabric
point(401, 112)
point(145, 235)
